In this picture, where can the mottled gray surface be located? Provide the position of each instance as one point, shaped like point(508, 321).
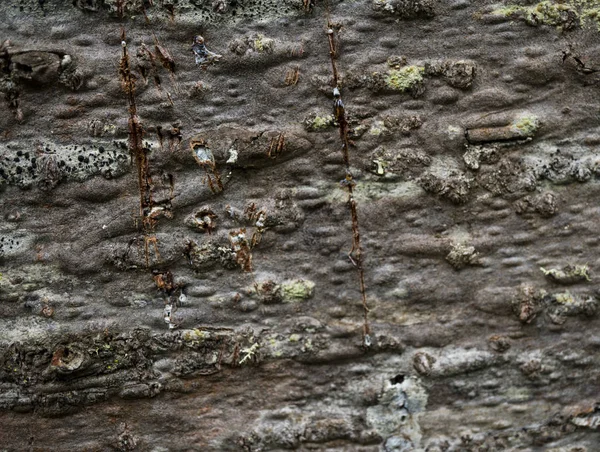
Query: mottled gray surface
point(475, 135)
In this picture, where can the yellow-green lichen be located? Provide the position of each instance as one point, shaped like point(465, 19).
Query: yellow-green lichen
point(515, 394)
point(564, 298)
point(569, 274)
point(195, 335)
point(377, 128)
point(404, 78)
point(526, 125)
point(591, 15)
point(307, 346)
point(274, 346)
point(109, 129)
point(263, 44)
point(360, 130)
point(586, 4)
point(549, 13)
point(318, 123)
point(297, 290)
point(564, 14)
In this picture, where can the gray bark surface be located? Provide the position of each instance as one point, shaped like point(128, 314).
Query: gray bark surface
point(197, 287)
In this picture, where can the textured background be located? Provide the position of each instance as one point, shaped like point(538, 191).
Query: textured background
point(474, 128)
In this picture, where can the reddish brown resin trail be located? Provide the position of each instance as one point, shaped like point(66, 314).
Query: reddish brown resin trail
point(355, 253)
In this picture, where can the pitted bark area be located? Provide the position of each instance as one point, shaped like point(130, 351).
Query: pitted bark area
point(178, 241)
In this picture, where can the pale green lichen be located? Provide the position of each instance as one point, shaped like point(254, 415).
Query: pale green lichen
point(318, 123)
point(591, 15)
point(405, 78)
point(517, 394)
point(526, 125)
point(548, 13)
point(321, 122)
point(564, 298)
point(275, 347)
point(297, 290)
point(195, 335)
point(263, 45)
point(307, 346)
point(377, 128)
point(109, 129)
point(455, 132)
point(359, 130)
point(569, 274)
point(564, 14)
point(545, 12)
point(586, 4)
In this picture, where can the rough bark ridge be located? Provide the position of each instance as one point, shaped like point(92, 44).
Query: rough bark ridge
point(181, 191)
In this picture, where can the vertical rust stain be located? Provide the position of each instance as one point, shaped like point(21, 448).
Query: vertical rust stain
point(137, 151)
point(355, 254)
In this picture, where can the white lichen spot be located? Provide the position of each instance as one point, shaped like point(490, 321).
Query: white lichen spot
point(249, 352)
point(233, 156)
point(455, 132)
point(204, 156)
point(167, 315)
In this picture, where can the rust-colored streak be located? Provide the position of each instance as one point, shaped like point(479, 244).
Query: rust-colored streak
point(332, 52)
point(276, 146)
point(241, 247)
point(204, 157)
point(292, 76)
point(355, 254)
point(137, 150)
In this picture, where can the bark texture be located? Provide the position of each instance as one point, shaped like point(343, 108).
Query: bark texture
point(189, 212)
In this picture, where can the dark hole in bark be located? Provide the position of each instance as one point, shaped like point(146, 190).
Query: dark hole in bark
point(398, 379)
